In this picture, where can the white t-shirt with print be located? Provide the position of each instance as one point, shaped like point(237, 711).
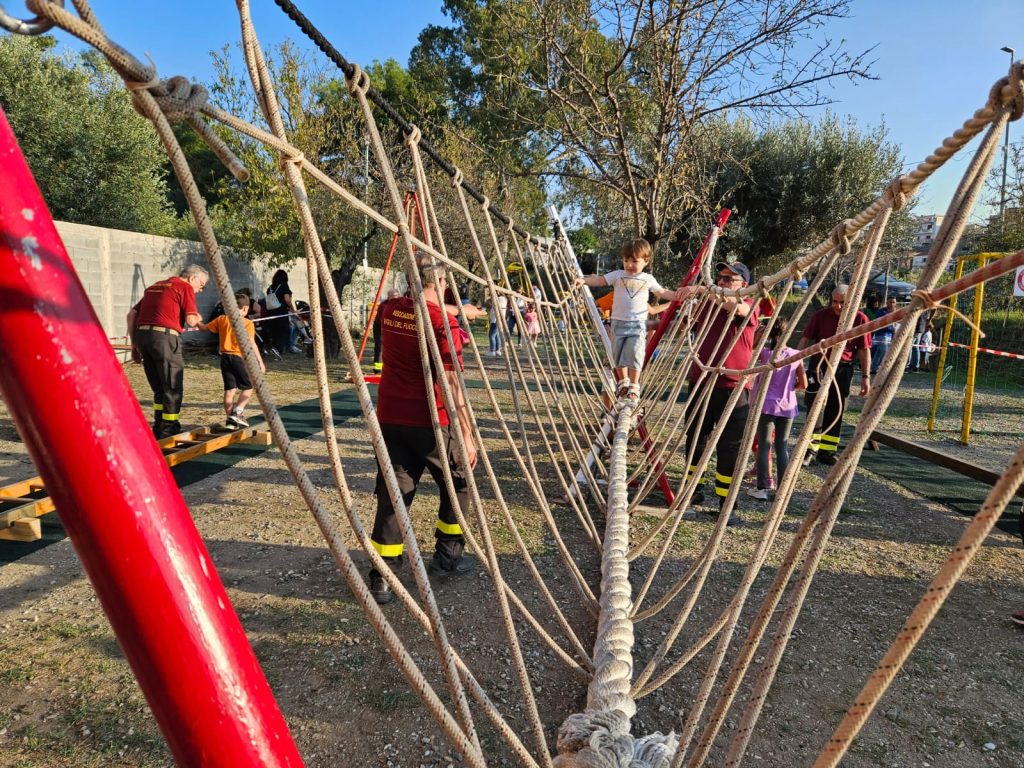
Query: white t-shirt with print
point(632, 293)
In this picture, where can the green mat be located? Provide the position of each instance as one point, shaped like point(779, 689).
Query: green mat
point(962, 494)
point(301, 420)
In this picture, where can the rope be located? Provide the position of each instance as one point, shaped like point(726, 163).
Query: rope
point(560, 432)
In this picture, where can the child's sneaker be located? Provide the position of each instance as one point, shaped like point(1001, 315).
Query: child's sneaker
point(236, 419)
point(761, 494)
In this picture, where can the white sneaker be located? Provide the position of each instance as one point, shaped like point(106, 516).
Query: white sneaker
point(237, 420)
point(761, 494)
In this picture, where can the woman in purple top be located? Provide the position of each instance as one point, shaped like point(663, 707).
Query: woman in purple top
point(780, 407)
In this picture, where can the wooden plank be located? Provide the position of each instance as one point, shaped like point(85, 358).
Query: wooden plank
point(941, 459)
point(28, 529)
point(177, 449)
point(260, 437)
point(212, 443)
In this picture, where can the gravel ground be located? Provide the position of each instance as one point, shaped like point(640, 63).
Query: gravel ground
point(67, 696)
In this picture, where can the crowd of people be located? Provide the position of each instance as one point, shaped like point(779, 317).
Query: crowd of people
point(728, 333)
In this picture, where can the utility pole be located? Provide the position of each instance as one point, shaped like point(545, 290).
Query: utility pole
point(366, 199)
point(1006, 156)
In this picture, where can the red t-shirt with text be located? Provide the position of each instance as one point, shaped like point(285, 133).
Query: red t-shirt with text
point(739, 357)
point(402, 394)
point(825, 323)
point(166, 303)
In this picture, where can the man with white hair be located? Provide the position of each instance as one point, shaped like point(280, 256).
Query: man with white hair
point(155, 324)
point(824, 324)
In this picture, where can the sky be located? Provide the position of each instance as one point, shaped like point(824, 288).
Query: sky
point(935, 59)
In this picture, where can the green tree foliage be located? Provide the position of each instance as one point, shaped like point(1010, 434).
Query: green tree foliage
point(258, 216)
point(608, 99)
point(790, 183)
point(95, 159)
point(1005, 232)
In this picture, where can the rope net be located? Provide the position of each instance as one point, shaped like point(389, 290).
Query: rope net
point(547, 416)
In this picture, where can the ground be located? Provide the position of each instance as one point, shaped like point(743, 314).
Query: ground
point(67, 696)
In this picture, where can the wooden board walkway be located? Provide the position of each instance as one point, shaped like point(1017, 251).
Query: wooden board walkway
point(24, 502)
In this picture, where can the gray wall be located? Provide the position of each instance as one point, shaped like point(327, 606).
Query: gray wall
point(116, 266)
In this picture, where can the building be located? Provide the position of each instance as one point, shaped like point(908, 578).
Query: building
point(927, 227)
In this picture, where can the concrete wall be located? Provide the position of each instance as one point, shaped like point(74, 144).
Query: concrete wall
point(116, 266)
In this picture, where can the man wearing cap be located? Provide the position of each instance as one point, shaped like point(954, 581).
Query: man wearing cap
point(727, 343)
point(824, 324)
point(154, 325)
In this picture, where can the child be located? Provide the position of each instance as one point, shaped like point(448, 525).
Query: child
point(633, 288)
point(232, 368)
point(532, 324)
point(779, 409)
point(927, 346)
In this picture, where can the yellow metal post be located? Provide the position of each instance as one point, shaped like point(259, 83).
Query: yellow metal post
point(972, 358)
point(946, 331)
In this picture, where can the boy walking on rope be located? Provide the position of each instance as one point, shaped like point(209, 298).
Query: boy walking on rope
point(232, 367)
point(155, 324)
point(728, 343)
point(824, 324)
point(405, 422)
point(633, 288)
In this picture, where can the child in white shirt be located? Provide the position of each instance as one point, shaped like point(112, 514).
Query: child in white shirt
point(633, 288)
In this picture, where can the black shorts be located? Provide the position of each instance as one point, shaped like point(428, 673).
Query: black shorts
point(232, 370)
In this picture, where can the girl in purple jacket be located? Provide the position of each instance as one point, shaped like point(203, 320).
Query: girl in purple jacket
point(780, 407)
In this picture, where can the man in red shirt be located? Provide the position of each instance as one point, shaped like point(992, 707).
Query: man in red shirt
point(155, 326)
point(718, 349)
point(824, 324)
point(405, 421)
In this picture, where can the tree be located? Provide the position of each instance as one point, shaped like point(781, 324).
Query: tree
point(790, 183)
point(95, 159)
point(608, 97)
point(1006, 232)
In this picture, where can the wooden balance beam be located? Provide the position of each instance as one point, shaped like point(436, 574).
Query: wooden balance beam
point(24, 502)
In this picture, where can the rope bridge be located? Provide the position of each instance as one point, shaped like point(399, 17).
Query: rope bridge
point(569, 441)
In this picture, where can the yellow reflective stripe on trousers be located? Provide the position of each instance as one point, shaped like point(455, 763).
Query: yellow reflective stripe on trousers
point(388, 550)
point(722, 483)
point(452, 529)
point(829, 444)
point(171, 417)
point(158, 406)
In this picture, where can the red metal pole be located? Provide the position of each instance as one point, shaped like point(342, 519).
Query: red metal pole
point(410, 199)
point(122, 510)
point(652, 344)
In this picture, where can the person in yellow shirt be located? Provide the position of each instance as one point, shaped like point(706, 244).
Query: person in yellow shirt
point(237, 387)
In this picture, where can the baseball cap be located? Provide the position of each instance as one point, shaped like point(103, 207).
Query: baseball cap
point(737, 268)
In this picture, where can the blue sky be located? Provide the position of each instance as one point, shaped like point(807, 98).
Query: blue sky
point(936, 59)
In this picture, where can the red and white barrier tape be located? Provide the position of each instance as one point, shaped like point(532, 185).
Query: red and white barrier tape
point(988, 351)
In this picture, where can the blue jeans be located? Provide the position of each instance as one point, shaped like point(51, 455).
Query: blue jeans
point(494, 338)
point(915, 353)
point(879, 348)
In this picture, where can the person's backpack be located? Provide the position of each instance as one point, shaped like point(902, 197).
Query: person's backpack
point(273, 300)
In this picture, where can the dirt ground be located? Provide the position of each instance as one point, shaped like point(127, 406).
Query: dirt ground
point(68, 698)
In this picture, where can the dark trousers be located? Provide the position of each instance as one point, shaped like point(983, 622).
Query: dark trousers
point(279, 330)
point(727, 450)
point(165, 372)
point(376, 340)
point(832, 414)
point(413, 449)
point(781, 425)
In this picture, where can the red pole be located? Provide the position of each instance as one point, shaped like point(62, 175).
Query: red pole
point(410, 200)
point(691, 274)
point(666, 318)
point(122, 510)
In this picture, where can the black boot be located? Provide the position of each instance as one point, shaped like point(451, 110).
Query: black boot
point(449, 560)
